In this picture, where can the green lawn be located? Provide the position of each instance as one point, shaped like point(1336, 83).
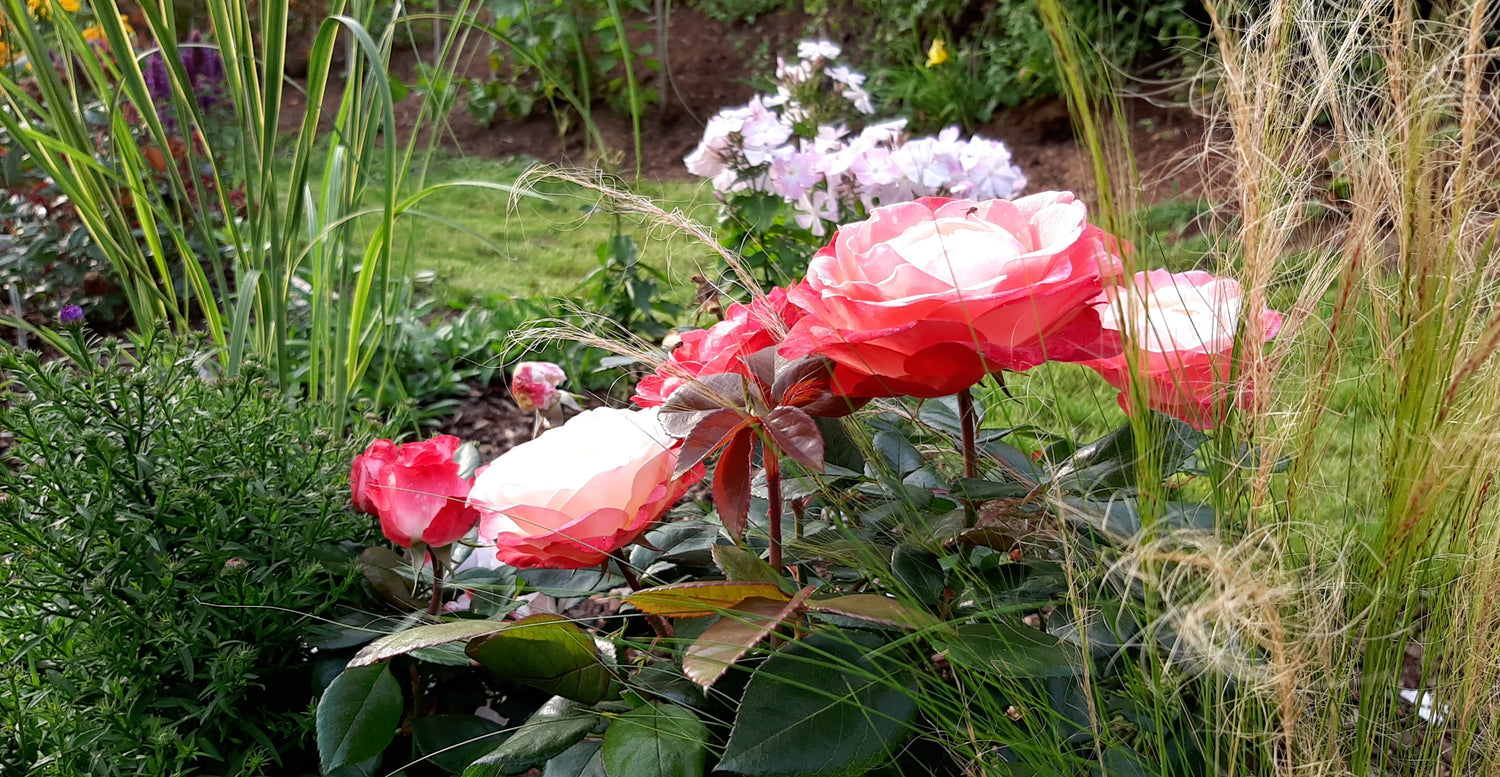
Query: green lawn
point(491, 245)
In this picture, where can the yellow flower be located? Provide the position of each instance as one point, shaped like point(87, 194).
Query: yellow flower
point(93, 33)
point(42, 9)
point(938, 53)
point(5, 57)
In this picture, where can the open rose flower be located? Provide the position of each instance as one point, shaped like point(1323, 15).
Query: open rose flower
point(416, 491)
point(924, 298)
point(1184, 326)
point(721, 348)
point(579, 491)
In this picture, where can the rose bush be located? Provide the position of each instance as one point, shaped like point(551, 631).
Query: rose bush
point(1184, 326)
point(746, 329)
point(580, 491)
point(924, 298)
point(416, 491)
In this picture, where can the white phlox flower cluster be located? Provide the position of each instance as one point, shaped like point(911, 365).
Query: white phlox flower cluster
point(826, 171)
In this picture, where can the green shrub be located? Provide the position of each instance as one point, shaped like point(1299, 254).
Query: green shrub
point(167, 535)
point(999, 52)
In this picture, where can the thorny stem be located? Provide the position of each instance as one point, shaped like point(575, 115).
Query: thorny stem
point(968, 423)
point(773, 495)
point(658, 623)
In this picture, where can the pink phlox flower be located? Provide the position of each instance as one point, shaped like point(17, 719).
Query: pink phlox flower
point(844, 75)
point(716, 151)
point(762, 133)
point(793, 74)
point(815, 208)
point(830, 137)
point(794, 171)
point(859, 98)
point(818, 49)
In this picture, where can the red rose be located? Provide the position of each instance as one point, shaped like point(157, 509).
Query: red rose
point(924, 298)
point(367, 467)
point(416, 491)
point(721, 348)
point(1185, 327)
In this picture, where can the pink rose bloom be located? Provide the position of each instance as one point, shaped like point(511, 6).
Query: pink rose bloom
point(924, 298)
point(579, 491)
point(720, 348)
point(415, 490)
point(1185, 326)
point(366, 470)
point(534, 385)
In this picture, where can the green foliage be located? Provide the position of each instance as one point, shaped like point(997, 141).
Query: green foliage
point(1002, 56)
point(626, 291)
point(564, 54)
point(286, 264)
point(733, 11)
point(169, 532)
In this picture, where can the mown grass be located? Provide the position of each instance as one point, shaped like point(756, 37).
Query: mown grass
point(482, 243)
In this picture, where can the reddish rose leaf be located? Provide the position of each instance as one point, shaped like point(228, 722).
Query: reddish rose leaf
point(731, 490)
point(797, 435)
point(700, 598)
point(762, 367)
point(875, 609)
point(798, 382)
point(711, 432)
point(708, 392)
point(738, 630)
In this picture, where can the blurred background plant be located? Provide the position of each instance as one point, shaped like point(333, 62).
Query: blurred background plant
point(998, 53)
point(565, 55)
point(137, 133)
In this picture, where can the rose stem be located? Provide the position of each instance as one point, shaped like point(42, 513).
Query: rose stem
point(773, 495)
point(799, 514)
point(436, 603)
point(658, 623)
point(968, 423)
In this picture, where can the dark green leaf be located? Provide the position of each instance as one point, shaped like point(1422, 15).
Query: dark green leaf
point(839, 449)
point(424, 637)
point(1013, 461)
point(355, 628)
point(919, 573)
point(980, 490)
point(1110, 462)
point(657, 740)
point(357, 716)
point(679, 542)
point(898, 454)
point(566, 583)
point(819, 707)
point(550, 731)
point(454, 741)
point(942, 414)
point(743, 566)
point(581, 760)
point(547, 652)
point(1014, 651)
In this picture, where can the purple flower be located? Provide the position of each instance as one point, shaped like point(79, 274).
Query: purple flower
point(70, 315)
